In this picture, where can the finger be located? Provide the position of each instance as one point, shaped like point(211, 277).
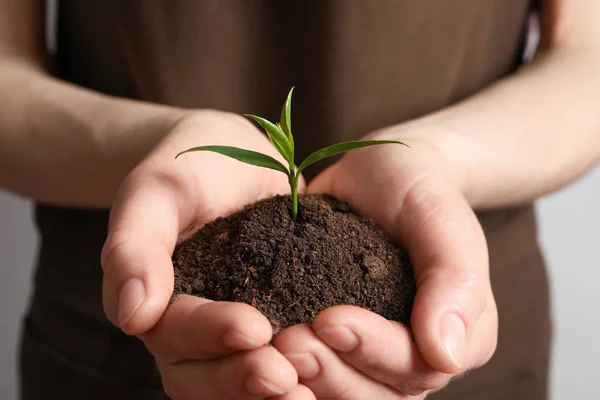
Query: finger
point(136, 258)
point(379, 348)
point(300, 392)
point(323, 372)
point(449, 254)
point(248, 375)
point(198, 329)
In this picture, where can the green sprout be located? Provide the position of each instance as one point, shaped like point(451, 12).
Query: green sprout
point(281, 137)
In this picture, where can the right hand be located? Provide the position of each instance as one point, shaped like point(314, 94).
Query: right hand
point(203, 349)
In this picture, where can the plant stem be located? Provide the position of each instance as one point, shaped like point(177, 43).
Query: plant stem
point(294, 186)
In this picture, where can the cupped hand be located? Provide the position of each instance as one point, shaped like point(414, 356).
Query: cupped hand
point(203, 349)
point(352, 354)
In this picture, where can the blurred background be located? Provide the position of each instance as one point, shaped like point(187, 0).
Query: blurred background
point(569, 231)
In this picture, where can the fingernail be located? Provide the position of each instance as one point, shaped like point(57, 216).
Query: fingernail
point(339, 338)
point(260, 387)
point(305, 364)
point(240, 341)
point(131, 296)
point(454, 337)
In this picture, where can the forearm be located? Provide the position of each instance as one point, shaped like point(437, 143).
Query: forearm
point(67, 145)
point(528, 135)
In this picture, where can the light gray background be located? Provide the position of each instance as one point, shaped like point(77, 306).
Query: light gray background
point(569, 222)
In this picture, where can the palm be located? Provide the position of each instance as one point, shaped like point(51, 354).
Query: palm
point(413, 197)
point(213, 348)
point(216, 185)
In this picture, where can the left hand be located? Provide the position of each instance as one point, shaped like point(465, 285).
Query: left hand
point(349, 353)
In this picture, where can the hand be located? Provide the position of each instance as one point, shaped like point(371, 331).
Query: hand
point(204, 350)
point(351, 354)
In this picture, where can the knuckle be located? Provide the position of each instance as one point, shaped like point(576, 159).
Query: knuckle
point(471, 276)
point(419, 193)
point(113, 247)
point(472, 288)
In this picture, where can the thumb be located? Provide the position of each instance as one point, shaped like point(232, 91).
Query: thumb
point(136, 258)
point(449, 255)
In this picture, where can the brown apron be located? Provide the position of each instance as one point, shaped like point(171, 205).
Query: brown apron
point(357, 66)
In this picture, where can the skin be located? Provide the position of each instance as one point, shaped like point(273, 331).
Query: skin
point(525, 136)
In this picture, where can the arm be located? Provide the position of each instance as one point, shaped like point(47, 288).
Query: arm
point(67, 145)
point(61, 143)
point(527, 135)
point(538, 130)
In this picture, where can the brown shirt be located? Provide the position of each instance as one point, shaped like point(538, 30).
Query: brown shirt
point(358, 65)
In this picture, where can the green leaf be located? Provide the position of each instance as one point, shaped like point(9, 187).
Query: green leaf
point(277, 137)
point(341, 148)
point(286, 116)
point(245, 156)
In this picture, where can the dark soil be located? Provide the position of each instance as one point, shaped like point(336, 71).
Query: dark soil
point(293, 269)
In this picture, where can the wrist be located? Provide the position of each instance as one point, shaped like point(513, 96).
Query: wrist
point(131, 133)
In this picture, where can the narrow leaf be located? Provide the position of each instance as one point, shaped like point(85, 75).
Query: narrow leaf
point(286, 116)
point(341, 148)
point(277, 137)
point(245, 156)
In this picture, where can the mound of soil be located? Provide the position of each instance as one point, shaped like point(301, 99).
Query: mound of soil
point(292, 269)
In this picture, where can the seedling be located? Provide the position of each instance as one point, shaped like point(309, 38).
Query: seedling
point(280, 135)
